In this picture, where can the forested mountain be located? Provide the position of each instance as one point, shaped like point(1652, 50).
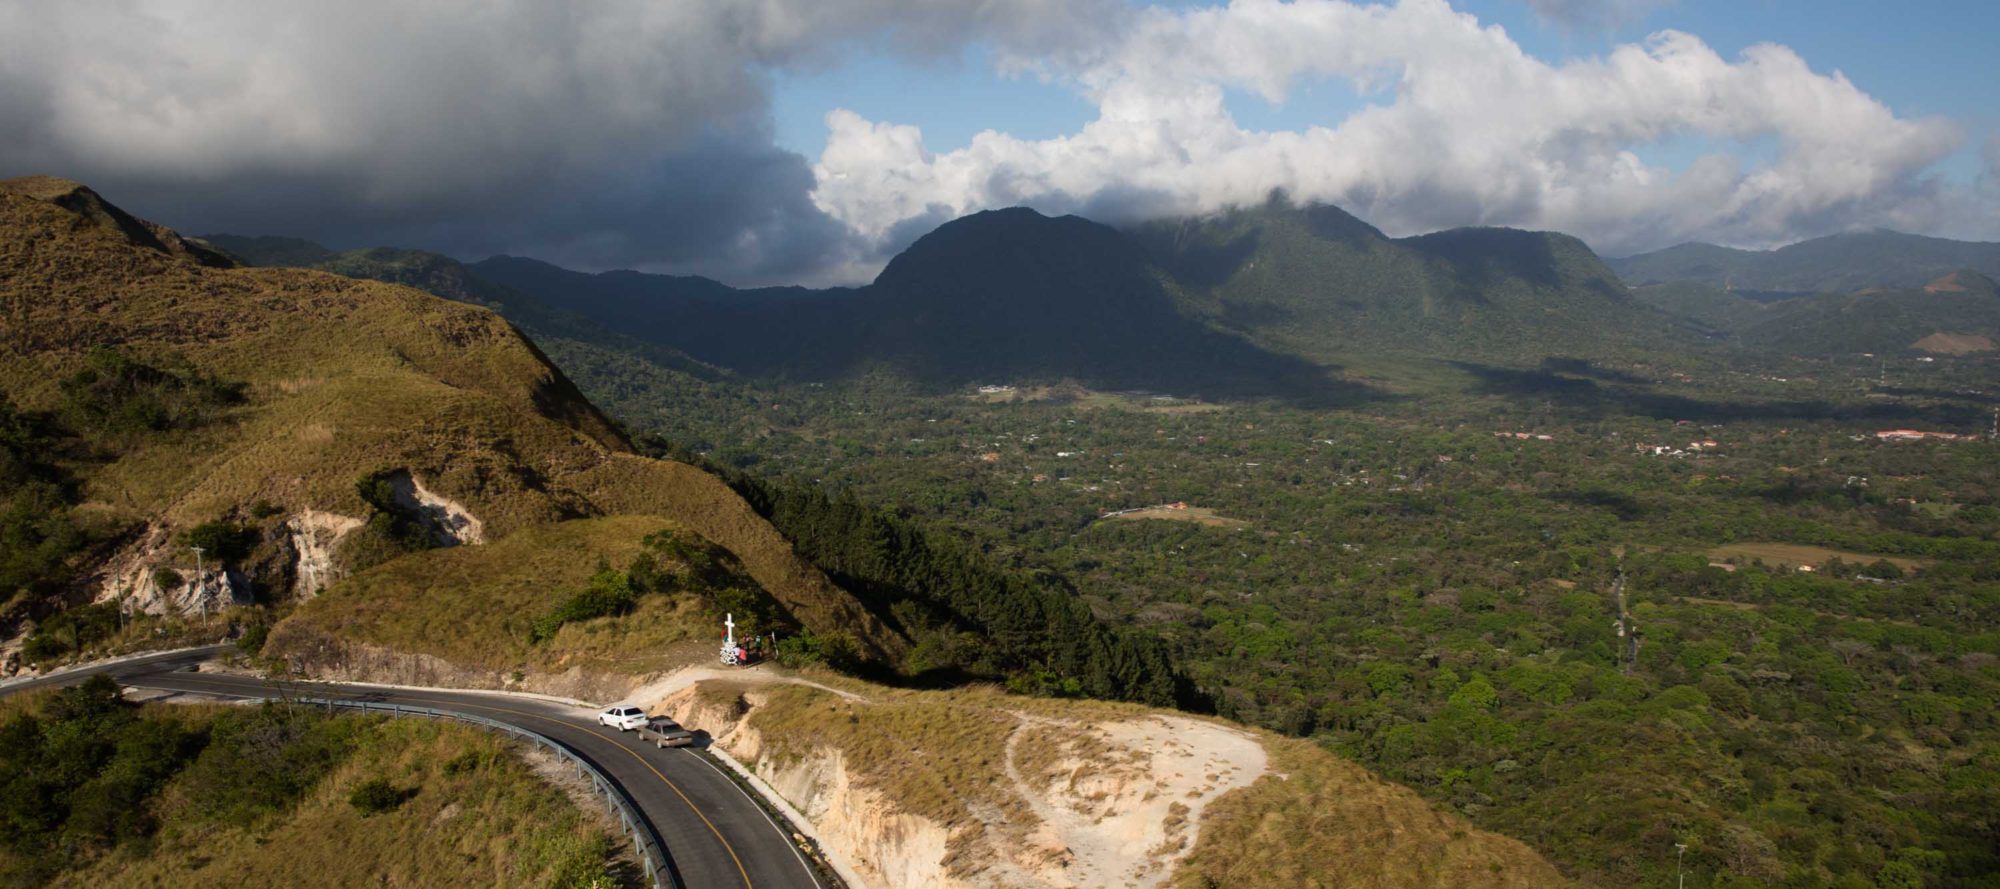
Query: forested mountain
point(1833, 264)
point(1316, 281)
point(1000, 295)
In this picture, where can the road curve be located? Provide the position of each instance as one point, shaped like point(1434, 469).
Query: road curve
point(716, 835)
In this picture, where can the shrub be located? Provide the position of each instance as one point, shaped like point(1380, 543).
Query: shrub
point(252, 640)
point(376, 795)
point(608, 595)
point(72, 630)
point(221, 541)
point(116, 398)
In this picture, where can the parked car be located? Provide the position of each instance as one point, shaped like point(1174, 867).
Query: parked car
point(664, 732)
point(623, 717)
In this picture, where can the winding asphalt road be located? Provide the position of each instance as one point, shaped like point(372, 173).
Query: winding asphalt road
point(716, 835)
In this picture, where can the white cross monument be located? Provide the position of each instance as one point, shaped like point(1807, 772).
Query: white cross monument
point(729, 638)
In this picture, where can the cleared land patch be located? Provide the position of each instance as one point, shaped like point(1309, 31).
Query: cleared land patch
point(1793, 555)
point(1955, 343)
point(1200, 515)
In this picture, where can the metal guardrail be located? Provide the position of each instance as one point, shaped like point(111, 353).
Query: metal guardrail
point(645, 838)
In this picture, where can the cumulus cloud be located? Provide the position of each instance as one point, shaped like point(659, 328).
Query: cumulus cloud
point(1463, 127)
point(626, 132)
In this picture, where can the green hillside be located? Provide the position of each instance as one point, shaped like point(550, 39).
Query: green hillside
point(1958, 313)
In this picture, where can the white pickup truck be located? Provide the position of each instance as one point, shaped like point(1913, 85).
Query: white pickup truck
point(664, 732)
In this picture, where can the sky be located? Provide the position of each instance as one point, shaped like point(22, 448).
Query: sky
point(807, 141)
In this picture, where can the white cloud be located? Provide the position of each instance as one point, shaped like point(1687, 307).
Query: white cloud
point(1465, 128)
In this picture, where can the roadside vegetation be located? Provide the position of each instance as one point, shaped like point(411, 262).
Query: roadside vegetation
point(98, 791)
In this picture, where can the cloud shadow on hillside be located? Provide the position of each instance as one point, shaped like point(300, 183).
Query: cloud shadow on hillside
point(1592, 398)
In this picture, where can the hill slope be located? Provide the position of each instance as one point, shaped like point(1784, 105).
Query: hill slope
point(1956, 313)
point(474, 433)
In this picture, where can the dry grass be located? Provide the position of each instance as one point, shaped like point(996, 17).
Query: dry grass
point(344, 377)
point(473, 605)
point(1792, 555)
point(495, 825)
point(934, 754)
point(1329, 823)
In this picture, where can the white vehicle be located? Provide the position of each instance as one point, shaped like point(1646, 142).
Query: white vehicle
point(623, 717)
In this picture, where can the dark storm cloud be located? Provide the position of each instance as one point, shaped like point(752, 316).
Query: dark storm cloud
point(604, 134)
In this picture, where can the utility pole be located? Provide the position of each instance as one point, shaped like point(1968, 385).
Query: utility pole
point(199, 597)
point(1680, 853)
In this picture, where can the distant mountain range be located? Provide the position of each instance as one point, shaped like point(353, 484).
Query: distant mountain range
point(1879, 291)
point(1261, 301)
point(1267, 300)
point(1835, 264)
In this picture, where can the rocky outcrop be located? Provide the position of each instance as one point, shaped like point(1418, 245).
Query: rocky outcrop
point(151, 575)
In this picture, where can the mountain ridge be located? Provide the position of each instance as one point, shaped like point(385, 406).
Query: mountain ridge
point(1832, 264)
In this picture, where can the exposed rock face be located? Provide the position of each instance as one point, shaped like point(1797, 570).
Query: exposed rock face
point(448, 521)
point(875, 839)
point(134, 577)
point(314, 535)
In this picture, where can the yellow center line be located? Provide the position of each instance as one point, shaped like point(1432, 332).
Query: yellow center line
point(629, 751)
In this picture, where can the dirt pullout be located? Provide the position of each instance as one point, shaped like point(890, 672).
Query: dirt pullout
point(666, 686)
point(1122, 801)
point(1954, 343)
